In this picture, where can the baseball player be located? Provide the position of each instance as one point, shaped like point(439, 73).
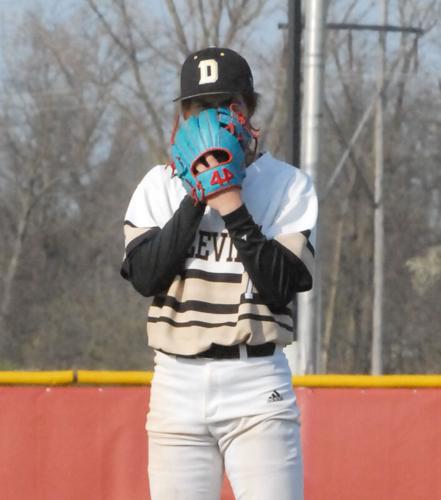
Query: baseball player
point(220, 238)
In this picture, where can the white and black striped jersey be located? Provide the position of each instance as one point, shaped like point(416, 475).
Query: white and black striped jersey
point(221, 280)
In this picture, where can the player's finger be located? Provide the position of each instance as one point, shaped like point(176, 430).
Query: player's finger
point(199, 167)
point(208, 161)
point(211, 160)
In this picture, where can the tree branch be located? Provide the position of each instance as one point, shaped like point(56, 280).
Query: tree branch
point(182, 40)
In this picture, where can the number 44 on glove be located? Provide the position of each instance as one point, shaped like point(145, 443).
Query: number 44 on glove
point(221, 132)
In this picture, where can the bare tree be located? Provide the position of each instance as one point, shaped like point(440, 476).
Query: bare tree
point(351, 58)
point(86, 111)
point(87, 114)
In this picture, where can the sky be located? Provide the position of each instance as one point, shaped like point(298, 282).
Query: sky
point(12, 10)
point(265, 35)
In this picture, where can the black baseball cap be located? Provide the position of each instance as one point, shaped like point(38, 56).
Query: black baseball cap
point(215, 71)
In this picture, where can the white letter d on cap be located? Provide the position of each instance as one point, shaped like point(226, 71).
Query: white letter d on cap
point(209, 71)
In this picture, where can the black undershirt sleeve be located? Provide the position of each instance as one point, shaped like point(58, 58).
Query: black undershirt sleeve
point(152, 264)
point(276, 272)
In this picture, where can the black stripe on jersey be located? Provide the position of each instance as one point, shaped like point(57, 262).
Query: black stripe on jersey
point(309, 246)
point(195, 305)
point(204, 324)
point(266, 318)
point(128, 223)
point(213, 277)
point(206, 307)
point(164, 319)
point(258, 301)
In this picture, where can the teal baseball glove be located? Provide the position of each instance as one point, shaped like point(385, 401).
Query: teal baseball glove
point(226, 135)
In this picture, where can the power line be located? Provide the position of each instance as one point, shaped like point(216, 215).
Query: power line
point(367, 27)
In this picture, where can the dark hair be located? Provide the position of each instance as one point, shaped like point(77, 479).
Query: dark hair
point(251, 100)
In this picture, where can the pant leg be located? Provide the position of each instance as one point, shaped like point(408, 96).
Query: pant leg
point(265, 461)
point(184, 467)
point(257, 427)
point(184, 459)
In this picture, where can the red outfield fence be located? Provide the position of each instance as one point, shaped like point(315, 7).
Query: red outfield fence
point(88, 442)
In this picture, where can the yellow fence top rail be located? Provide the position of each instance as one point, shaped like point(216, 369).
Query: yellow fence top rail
point(367, 381)
point(37, 378)
point(98, 377)
point(114, 377)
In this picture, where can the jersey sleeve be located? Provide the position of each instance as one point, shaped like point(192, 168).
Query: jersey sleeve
point(279, 262)
point(157, 235)
point(294, 225)
point(143, 203)
point(153, 202)
point(142, 213)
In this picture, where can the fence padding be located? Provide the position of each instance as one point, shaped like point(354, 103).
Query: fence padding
point(89, 443)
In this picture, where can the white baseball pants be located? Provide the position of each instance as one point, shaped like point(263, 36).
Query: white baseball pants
point(206, 415)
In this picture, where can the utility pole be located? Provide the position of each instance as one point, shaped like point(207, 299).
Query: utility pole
point(294, 81)
point(377, 310)
point(310, 154)
point(294, 102)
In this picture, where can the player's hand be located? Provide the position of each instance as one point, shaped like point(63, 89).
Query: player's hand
point(224, 202)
